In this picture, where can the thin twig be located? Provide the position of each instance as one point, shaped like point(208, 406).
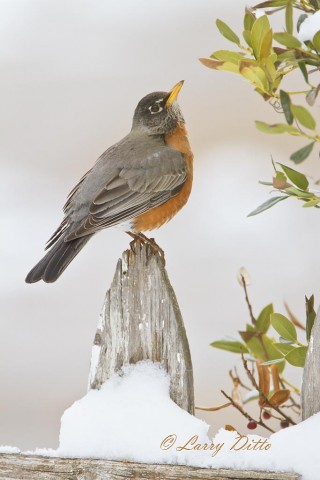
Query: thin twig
point(213, 409)
point(246, 415)
point(264, 398)
point(276, 105)
point(295, 389)
point(274, 416)
point(253, 320)
point(239, 379)
point(294, 403)
point(295, 410)
point(250, 374)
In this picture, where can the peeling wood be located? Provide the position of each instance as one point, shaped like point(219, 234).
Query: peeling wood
point(33, 467)
point(310, 392)
point(141, 320)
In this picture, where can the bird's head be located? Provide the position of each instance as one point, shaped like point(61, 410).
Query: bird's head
point(158, 113)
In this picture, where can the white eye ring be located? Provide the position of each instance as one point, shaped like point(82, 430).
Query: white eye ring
point(155, 108)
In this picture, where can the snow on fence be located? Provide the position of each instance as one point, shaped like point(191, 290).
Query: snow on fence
point(140, 320)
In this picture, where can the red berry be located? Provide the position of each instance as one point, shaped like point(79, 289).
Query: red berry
point(284, 424)
point(252, 425)
point(266, 415)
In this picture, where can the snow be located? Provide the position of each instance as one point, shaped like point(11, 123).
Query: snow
point(133, 418)
point(309, 27)
point(8, 449)
point(128, 418)
point(95, 354)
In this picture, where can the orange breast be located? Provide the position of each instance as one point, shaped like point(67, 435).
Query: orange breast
point(157, 216)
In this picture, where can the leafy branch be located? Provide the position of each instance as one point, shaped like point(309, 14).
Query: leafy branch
point(265, 59)
point(291, 184)
point(268, 356)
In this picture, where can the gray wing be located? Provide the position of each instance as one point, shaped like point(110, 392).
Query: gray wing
point(134, 188)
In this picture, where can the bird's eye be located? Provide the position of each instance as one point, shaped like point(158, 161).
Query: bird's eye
point(155, 108)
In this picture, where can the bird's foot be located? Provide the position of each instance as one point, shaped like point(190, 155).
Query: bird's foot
point(141, 238)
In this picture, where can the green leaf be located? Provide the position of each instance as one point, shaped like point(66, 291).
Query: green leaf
point(312, 61)
point(247, 37)
point(301, 19)
point(297, 356)
point(302, 153)
point(283, 340)
point(284, 348)
point(266, 205)
point(268, 64)
point(258, 32)
point(296, 177)
point(256, 348)
point(304, 71)
point(303, 116)
point(316, 41)
point(311, 315)
point(263, 320)
point(312, 203)
point(283, 326)
point(271, 362)
point(286, 106)
point(266, 45)
point(228, 56)
point(287, 40)
point(272, 352)
point(226, 31)
point(230, 346)
point(285, 55)
point(289, 18)
point(248, 20)
point(277, 128)
point(296, 192)
point(315, 4)
point(254, 74)
point(272, 3)
point(312, 96)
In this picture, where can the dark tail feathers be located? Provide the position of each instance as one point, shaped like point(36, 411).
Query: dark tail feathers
point(53, 264)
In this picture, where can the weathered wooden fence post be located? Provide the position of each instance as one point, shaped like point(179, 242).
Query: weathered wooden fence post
point(310, 392)
point(141, 320)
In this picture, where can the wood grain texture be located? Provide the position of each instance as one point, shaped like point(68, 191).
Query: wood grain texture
point(310, 392)
point(141, 320)
point(32, 467)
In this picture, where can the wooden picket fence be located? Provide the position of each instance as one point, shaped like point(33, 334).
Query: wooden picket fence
point(147, 324)
point(32, 467)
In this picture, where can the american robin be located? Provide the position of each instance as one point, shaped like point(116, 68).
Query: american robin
point(139, 183)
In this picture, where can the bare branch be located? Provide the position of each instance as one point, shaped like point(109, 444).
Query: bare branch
point(265, 399)
point(246, 415)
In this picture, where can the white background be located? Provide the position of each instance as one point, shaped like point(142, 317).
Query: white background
point(71, 75)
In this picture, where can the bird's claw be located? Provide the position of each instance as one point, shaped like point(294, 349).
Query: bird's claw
point(143, 239)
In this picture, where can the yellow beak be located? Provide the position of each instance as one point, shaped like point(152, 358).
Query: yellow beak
point(174, 93)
